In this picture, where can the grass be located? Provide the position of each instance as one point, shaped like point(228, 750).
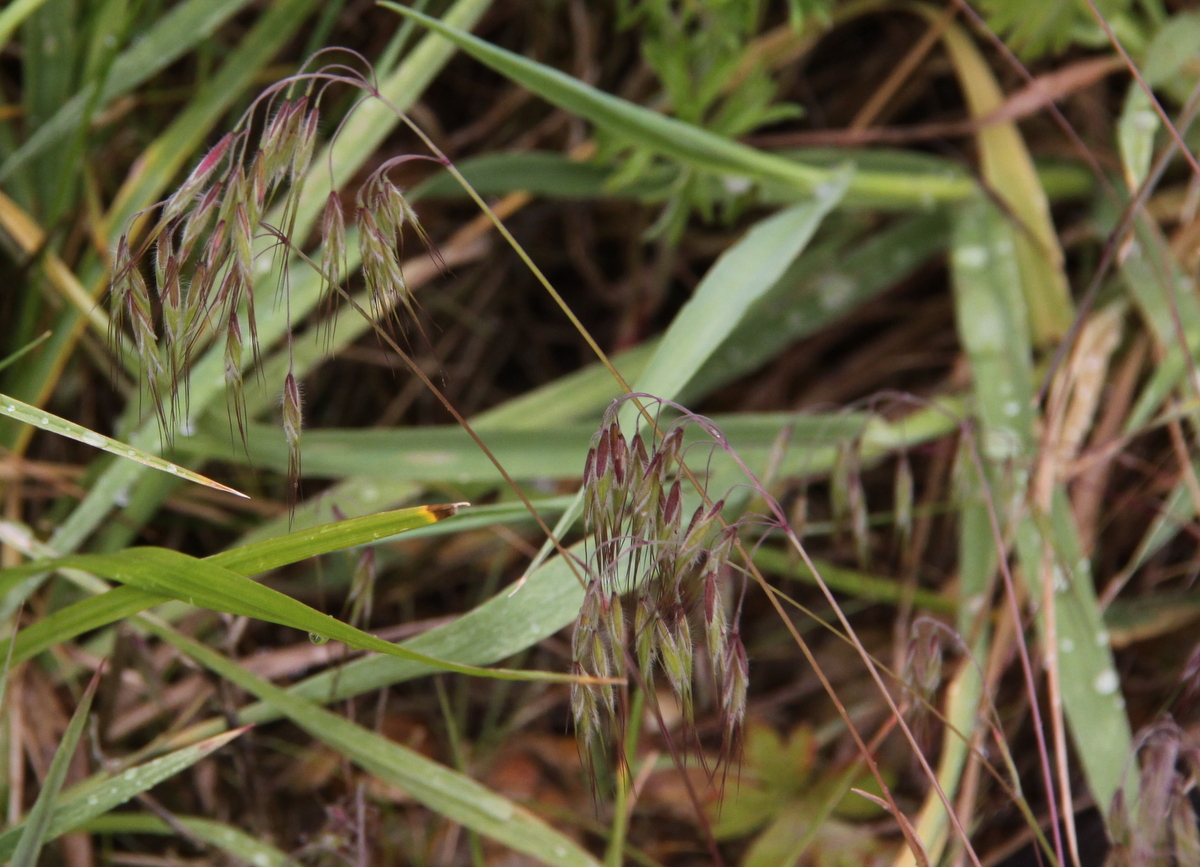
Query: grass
point(915, 590)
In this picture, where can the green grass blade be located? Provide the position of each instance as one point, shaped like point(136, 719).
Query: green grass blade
point(202, 583)
point(858, 585)
point(175, 34)
point(683, 141)
point(28, 347)
point(99, 795)
point(990, 310)
point(829, 281)
point(247, 560)
point(37, 823)
point(11, 18)
point(438, 453)
point(451, 794)
point(739, 278)
point(80, 617)
point(23, 412)
point(231, 840)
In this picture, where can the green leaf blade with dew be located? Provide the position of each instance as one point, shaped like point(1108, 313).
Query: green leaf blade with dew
point(31, 415)
point(37, 823)
point(98, 795)
point(446, 792)
point(202, 583)
point(120, 602)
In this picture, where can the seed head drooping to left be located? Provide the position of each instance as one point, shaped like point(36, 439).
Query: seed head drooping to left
point(208, 240)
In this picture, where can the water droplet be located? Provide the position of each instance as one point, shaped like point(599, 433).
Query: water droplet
point(317, 638)
point(1106, 682)
point(93, 800)
point(971, 257)
point(131, 775)
point(1067, 645)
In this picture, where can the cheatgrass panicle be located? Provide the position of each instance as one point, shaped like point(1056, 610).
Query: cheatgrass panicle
point(1161, 826)
point(203, 254)
point(656, 598)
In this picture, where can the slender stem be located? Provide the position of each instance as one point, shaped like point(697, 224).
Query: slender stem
point(623, 804)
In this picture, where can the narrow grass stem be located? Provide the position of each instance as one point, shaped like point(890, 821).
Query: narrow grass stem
point(614, 855)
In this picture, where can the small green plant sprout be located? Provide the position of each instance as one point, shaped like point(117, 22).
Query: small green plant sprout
point(208, 243)
point(658, 584)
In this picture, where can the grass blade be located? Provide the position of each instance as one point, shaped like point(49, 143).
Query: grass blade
point(442, 790)
point(172, 575)
point(125, 601)
point(99, 795)
point(1009, 171)
point(739, 278)
point(31, 415)
point(231, 840)
point(37, 823)
point(683, 141)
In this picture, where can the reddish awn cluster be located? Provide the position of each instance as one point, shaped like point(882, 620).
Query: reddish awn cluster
point(204, 249)
point(657, 588)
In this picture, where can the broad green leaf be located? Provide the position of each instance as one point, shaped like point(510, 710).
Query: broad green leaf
point(446, 792)
point(37, 823)
point(739, 278)
point(124, 601)
point(689, 144)
point(98, 795)
point(23, 412)
point(990, 310)
point(831, 279)
point(447, 453)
